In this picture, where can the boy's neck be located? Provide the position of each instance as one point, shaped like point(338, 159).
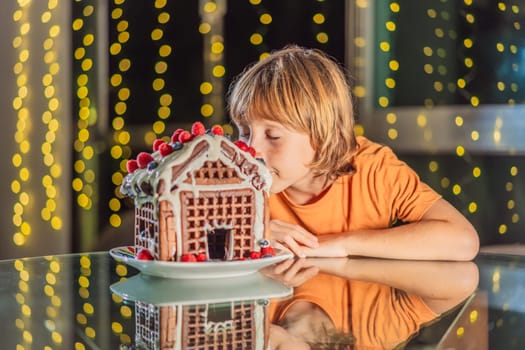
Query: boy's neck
point(310, 194)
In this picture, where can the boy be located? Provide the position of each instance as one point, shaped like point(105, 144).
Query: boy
point(335, 194)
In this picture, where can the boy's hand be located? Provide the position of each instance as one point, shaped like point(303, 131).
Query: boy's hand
point(293, 237)
point(304, 244)
point(330, 246)
point(292, 272)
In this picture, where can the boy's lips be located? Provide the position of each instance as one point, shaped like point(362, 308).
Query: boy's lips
point(272, 171)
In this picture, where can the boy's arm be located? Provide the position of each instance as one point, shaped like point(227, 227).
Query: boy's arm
point(443, 233)
point(441, 284)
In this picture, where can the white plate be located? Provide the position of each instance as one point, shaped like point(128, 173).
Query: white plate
point(199, 270)
point(168, 291)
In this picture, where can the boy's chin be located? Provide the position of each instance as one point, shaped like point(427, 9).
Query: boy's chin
point(272, 191)
point(277, 187)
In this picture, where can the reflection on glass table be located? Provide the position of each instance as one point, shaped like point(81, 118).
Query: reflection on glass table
point(91, 301)
point(366, 303)
point(230, 313)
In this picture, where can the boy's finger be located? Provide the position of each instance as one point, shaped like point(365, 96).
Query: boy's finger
point(283, 266)
point(294, 247)
point(299, 234)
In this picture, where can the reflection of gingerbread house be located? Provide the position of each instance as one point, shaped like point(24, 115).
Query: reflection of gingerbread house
point(229, 325)
point(206, 197)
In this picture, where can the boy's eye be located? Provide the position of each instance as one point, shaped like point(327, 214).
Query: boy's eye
point(270, 137)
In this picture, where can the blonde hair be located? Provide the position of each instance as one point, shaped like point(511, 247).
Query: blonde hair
point(306, 91)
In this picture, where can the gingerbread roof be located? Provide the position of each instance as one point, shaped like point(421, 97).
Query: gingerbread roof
point(205, 160)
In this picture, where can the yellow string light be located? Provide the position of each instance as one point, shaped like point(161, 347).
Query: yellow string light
point(121, 150)
point(22, 133)
point(54, 168)
point(212, 87)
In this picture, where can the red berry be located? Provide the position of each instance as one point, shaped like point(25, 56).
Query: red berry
point(267, 251)
point(188, 258)
point(198, 129)
point(252, 151)
point(202, 257)
point(242, 145)
point(185, 136)
point(132, 165)
point(144, 254)
point(175, 135)
point(143, 159)
point(165, 149)
point(157, 143)
point(255, 255)
point(217, 130)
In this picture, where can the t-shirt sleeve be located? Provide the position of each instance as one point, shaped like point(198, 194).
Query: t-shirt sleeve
point(386, 317)
point(407, 197)
point(402, 318)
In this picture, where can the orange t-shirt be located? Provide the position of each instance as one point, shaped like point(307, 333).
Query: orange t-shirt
point(378, 316)
point(382, 189)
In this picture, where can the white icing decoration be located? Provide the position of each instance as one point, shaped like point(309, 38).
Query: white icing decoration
point(191, 174)
point(151, 245)
point(218, 327)
point(258, 319)
point(217, 225)
point(178, 334)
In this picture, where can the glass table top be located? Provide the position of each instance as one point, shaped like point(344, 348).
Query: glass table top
point(91, 301)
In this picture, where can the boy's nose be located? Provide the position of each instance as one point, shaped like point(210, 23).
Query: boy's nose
point(257, 142)
point(252, 142)
point(259, 155)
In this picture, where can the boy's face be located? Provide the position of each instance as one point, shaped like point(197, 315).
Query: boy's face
point(285, 152)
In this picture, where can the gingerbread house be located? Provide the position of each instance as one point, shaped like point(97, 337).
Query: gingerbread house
point(206, 326)
point(206, 197)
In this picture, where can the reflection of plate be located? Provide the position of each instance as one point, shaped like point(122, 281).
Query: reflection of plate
point(163, 291)
point(186, 270)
